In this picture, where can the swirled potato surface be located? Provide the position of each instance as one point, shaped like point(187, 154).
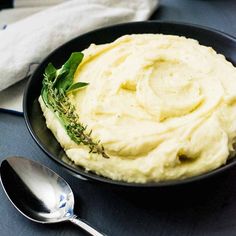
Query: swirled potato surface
point(163, 107)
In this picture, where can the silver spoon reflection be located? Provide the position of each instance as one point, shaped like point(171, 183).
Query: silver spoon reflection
point(39, 193)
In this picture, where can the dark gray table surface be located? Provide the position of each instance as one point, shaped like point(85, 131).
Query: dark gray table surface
point(204, 208)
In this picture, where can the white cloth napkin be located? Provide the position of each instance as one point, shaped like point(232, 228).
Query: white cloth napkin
point(26, 42)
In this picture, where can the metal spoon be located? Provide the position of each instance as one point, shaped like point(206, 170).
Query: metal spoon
point(39, 193)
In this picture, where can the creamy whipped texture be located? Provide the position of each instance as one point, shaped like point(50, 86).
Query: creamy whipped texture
point(164, 108)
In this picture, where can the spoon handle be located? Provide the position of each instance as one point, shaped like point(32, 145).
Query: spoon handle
point(85, 226)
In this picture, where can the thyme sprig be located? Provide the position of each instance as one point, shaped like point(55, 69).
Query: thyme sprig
point(56, 86)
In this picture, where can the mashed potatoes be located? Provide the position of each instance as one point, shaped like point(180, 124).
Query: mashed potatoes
point(164, 108)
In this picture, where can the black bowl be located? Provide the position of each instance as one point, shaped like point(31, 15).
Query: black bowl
point(35, 121)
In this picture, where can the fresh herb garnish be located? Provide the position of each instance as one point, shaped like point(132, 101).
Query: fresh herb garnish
point(57, 83)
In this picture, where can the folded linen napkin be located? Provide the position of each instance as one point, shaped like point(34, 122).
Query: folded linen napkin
point(26, 42)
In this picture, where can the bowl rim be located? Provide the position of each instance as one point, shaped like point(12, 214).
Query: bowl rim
point(91, 176)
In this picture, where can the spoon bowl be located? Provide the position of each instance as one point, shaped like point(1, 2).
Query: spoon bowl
point(39, 193)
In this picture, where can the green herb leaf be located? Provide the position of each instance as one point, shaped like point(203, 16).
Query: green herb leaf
point(76, 86)
point(50, 72)
point(65, 75)
point(44, 95)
